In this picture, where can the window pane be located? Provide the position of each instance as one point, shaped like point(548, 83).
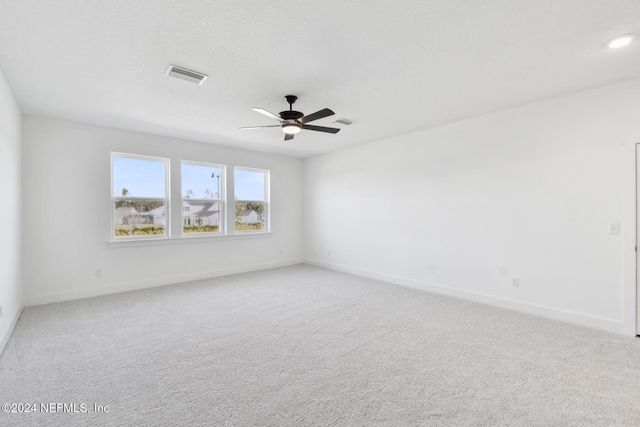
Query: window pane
point(249, 185)
point(138, 178)
point(250, 216)
point(200, 216)
point(138, 217)
point(200, 181)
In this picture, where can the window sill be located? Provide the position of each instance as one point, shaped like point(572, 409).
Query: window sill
point(187, 239)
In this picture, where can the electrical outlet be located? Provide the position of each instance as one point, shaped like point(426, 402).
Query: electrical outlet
point(515, 283)
point(0, 311)
point(98, 272)
point(614, 228)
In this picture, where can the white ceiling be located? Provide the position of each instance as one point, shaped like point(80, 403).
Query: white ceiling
point(391, 66)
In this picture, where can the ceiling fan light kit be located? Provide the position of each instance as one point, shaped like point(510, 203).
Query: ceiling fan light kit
point(292, 122)
point(620, 41)
point(291, 128)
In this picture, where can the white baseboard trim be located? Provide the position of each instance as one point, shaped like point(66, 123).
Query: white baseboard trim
point(603, 324)
point(7, 336)
point(152, 283)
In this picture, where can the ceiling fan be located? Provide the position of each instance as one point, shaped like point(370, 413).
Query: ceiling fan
point(293, 122)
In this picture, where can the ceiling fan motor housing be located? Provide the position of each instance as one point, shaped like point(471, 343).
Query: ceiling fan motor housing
point(291, 115)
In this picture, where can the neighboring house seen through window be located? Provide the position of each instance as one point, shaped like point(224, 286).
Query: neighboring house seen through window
point(251, 199)
point(202, 198)
point(139, 196)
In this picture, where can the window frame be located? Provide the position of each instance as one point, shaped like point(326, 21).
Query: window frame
point(222, 223)
point(166, 199)
point(266, 202)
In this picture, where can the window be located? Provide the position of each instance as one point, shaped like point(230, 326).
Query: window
point(252, 199)
point(139, 189)
point(202, 198)
point(141, 206)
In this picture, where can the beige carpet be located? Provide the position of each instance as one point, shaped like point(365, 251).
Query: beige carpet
point(304, 346)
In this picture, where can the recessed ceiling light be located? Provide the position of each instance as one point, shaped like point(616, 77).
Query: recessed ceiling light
point(620, 41)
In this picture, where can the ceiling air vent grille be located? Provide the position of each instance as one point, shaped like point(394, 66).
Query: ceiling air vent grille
point(343, 122)
point(184, 74)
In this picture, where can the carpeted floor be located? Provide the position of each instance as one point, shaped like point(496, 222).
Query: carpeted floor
point(305, 346)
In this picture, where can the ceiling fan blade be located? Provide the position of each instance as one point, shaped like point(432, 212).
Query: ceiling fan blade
point(317, 115)
point(288, 136)
point(321, 128)
point(267, 113)
point(259, 127)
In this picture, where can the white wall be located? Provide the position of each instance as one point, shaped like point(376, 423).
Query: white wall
point(464, 208)
point(10, 287)
point(67, 214)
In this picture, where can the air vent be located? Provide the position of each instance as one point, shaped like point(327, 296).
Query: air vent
point(343, 122)
point(184, 74)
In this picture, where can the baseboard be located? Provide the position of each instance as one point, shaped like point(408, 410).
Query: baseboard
point(152, 283)
point(603, 324)
point(7, 336)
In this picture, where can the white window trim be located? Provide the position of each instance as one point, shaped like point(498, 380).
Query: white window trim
point(189, 240)
point(222, 216)
point(267, 201)
point(167, 199)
